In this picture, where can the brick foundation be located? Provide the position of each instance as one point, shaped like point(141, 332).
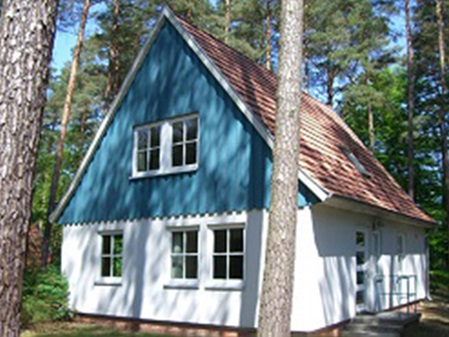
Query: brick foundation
point(197, 330)
point(168, 328)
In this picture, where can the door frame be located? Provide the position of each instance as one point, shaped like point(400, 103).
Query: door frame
point(361, 268)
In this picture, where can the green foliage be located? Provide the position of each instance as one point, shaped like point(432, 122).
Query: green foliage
point(45, 295)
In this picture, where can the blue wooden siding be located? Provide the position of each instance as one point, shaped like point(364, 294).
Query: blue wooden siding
point(234, 165)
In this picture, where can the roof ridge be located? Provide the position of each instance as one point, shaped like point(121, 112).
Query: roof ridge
point(253, 62)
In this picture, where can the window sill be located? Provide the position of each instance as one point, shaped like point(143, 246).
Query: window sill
point(109, 281)
point(177, 170)
point(182, 284)
point(234, 285)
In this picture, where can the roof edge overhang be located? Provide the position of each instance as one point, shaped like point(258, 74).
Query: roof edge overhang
point(349, 204)
point(54, 216)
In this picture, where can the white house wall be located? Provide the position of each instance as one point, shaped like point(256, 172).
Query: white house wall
point(325, 282)
point(324, 292)
point(145, 290)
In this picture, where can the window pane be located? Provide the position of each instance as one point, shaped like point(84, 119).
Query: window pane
point(360, 277)
point(236, 244)
point(192, 128)
point(192, 241)
point(220, 241)
point(177, 155)
point(191, 266)
point(360, 297)
point(106, 244)
point(177, 132)
point(219, 267)
point(400, 244)
point(106, 266)
point(142, 161)
point(360, 258)
point(190, 153)
point(360, 239)
point(177, 242)
point(118, 244)
point(236, 267)
point(176, 267)
point(154, 159)
point(142, 139)
point(155, 136)
point(117, 267)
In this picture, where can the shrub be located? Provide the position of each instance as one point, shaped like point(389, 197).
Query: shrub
point(439, 282)
point(45, 296)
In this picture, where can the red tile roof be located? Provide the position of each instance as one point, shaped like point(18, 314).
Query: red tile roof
point(323, 133)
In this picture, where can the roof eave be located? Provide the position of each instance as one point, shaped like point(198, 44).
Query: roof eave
point(54, 216)
point(346, 203)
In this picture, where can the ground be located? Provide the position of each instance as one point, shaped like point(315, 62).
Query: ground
point(79, 330)
point(434, 323)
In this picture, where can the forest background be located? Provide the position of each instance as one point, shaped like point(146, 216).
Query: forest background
point(380, 63)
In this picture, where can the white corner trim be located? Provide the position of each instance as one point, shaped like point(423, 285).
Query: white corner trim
point(107, 120)
point(312, 185)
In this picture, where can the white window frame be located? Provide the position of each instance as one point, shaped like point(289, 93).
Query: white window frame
point(111, 279)
point(356, 162)
point(401, 255)
point(165, 148)
point(184, 253)
point(225, 284)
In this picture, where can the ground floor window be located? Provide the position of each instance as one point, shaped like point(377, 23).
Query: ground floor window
point(184, 254)
point(112, 255)
point(228, 253)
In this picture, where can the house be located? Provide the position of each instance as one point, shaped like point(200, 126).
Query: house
point(166, 219)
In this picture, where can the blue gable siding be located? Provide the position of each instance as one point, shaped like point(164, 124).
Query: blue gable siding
point(234, 161)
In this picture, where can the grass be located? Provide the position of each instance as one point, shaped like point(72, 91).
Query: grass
point(80, 330)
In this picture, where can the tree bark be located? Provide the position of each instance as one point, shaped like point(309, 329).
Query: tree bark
point(372, 138)
point(277, 288)
point(442, 108)
point(227, 20)
point(411, 103)
point(268, 37)
point(330, 87)
point(112, 85)
point(26, 42)
point(65, 118)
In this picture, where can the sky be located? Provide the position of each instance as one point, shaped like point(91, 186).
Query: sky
point(65, 41)
point(62, 51)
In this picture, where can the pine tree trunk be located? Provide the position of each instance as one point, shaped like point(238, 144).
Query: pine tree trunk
point(26, 42)
point(330, 87)
point(411, 103)
point(227, 20)
point(112, 85)
point(372, 138)
point(442, 108)
point(63, 132)
point(277, 288)
point(268, 37)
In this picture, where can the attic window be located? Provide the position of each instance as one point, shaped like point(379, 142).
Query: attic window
point(166, 147)
point(353, 159)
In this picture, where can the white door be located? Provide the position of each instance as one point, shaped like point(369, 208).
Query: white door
point(361, 256)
